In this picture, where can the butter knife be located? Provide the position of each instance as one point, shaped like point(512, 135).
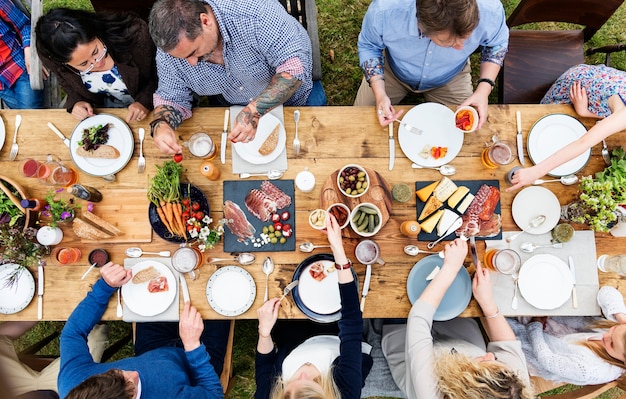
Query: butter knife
point(392, 147)
point(572, 271)
point(184, 288)
point(288, 289)
point(224, 137)
point(366, 285)
point(472, 240)
point(520, 139)
point(40, 284)
point(66, 141)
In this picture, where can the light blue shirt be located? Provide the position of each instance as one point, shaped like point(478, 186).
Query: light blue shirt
point(391, 26)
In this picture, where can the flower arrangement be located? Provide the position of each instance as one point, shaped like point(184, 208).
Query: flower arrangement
point(205, 235)
point(19, 246)
point(59, 210)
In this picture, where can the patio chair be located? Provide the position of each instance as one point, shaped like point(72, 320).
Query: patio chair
point(536, 58)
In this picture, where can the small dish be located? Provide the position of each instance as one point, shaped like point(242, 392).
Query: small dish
point(466, 119)
point(351, 179)
point(317, 219)
point(366, 219)
point(98, 256)
point(341, 212)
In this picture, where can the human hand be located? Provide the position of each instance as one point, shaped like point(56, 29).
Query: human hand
point(244, 128)
point(482, 288)
point(578, 96)
point(136, 112)
point(386, 112)
point(115, 275)
point(523, 177)
point(454, 254)
point(267, 315)
point(165, 139)
point(333, 232)
point(190, 327)
point(481, 103)
point(82, 110)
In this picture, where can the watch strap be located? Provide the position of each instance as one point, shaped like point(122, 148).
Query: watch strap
point(343, 267)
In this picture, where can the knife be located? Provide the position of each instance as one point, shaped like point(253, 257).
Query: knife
point(392, 147)
point(184, 288)
point(40, 292)
point(520, 139)
point(455, 225)
point(472, 240)
point(224, 137)
point(288, 289)
point(66, 141)
point(573, 273)
point(366, 285)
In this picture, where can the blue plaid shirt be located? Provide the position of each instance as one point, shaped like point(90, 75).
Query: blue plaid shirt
point(14, 36)
point(260, 39)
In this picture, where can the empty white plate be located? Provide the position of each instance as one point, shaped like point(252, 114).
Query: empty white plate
point(545, 281)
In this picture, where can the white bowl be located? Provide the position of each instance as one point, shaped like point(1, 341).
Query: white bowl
point(345, 208)
point(320, 215)
point(474, 113)
point(357, 211)
point(341, 177)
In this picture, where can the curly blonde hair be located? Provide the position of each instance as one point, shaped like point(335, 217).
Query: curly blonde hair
point(598, 349)
point(461, 377)
point(326, 381)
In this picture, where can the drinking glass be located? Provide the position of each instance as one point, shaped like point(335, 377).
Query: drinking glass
point(498, 153)
point(28, 167)
point(53, 172)
point(368, 252)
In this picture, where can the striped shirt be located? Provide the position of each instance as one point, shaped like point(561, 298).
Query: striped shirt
point(14, 36)
point(259, 40)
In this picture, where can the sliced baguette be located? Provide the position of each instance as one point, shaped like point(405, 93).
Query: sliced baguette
point(103, 151)
point(84, 230)
point(101, 223)
point(270, 142)
point(146, 274)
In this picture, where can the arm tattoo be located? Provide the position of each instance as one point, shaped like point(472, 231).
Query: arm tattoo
point(373, 67)
point(280, 89)
point(172, 115)
point(247, 117)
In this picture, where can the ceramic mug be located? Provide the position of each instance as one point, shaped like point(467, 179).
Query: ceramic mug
point(187, 260)
point(368, 252)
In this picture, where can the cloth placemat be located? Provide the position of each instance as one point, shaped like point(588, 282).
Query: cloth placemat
point(582, 247)
point(240, 165)
point(171, 313)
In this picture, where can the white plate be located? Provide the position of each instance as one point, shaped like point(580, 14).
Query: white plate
point(534, 201)
point(14, 299)
point(120, 137)
point(545, 281)
point(250, 151)
point(438, 130)
point(231, 290)
point(320, 296)
point(551, 133)
point(146, 303)
point(3, 133)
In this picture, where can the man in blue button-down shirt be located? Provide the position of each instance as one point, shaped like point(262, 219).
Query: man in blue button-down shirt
point(250, 52)
point(423, 46)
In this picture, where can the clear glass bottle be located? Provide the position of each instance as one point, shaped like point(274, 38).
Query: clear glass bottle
point(85, 192)
point(613, 263)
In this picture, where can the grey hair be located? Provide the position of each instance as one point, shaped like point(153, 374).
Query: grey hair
point(169, 19)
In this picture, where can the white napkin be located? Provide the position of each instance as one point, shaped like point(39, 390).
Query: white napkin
point(582, 247)
point(240, 165)
point(171, 313)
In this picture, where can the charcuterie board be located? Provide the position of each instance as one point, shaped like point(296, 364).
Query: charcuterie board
point(378, 194)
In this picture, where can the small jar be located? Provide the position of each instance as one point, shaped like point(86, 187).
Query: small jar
point(98, 256)
point(47, 235)
point(305, 181)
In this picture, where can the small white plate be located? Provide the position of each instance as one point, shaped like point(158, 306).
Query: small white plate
point(146, 303)
point(3, 133)
point(320, 296)
point(545, 282)
point(16, 298)
point(250, 151)
point(534, 201)
point(120, 137)
point(438, 130)
point(551, 133)
point(231, 290)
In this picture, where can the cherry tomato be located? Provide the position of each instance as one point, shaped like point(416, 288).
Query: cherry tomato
point(287, 230)
point(178, 158)
point(278, 226)
point(285, 215)
point(195, 206)
point(190, 227)
point(275, 217)
point(186, 214)
point(198, 215)
point(186, 202)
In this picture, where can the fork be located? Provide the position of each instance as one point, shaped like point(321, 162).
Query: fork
point(296, 140)
point(410, 128)
point(141, 164)
point(14, 147)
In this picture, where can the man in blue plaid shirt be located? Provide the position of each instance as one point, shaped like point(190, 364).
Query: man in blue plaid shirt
point(245, 52)
point(15, 88)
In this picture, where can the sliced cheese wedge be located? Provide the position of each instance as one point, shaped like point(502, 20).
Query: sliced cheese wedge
point(444, 189)
point(458, 195)
point(465, 203)
point(429, 224)
point(446, 221)
point(425, 192)
point(430, 207)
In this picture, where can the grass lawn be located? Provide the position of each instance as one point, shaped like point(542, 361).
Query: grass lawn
point(339, 25)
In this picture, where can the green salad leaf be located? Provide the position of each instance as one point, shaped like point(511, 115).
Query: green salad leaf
point(616, 175)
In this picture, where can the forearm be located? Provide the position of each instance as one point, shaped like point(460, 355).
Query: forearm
point(488, 70)
point(281, 88)
point(495, 324)
point(435, 291)
point(172, 116)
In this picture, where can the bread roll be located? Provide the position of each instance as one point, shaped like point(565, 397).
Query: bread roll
point(103, 151)
point(270, 142)
point(145, 275)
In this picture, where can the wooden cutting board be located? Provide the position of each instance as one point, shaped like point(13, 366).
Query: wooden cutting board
point(129, 215)
point(378, 194)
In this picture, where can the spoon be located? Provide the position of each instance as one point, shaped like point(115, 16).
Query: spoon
point(88, 270)
point(413, 250)
point(136, 252)
point(446, 170)
point(244, 258)
point(271, 174)
point(529, 247)
point(537, 221)
point(606, 155)
point(309, 247)
point(268, 267)
point(515, 277)
point(565, 180)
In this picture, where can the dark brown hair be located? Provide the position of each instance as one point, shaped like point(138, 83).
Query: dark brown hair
point(109, 385)
point(458, 17)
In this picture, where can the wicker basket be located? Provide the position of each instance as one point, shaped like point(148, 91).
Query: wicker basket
point(5, 184)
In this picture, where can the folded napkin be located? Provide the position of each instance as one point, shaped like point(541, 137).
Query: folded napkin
point(240, 165)
point(582, 247)
point(171, 313)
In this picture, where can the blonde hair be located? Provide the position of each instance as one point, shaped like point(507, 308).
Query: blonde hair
point(461, 377)
point(599, 350)
point(326, 381)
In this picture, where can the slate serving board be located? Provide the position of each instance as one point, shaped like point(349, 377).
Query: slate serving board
point(473, 186)
point(236, 191)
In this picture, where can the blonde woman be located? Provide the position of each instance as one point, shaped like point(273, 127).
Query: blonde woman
point(309, 360)
point(450, 359)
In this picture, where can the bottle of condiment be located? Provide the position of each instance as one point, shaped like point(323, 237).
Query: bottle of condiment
point(85, 192)
point(410, 228)
point(34, 204)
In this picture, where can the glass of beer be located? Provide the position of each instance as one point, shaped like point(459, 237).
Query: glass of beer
point(499, 153)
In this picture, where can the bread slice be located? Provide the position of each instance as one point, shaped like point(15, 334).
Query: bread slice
point(84, 230)
point(270, 142)
point(145, 275)
point(429, 224)
point(101, 223)
point(425, 192)
point(103, 151)
point(444, 189)
point(430, 207)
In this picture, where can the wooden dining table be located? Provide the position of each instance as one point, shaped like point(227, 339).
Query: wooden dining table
point(330, 138)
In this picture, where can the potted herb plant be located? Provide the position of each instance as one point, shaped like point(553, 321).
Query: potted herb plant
point(19, 246)
point(58, 209)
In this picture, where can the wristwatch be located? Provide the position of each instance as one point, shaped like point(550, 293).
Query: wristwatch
point(343, 267)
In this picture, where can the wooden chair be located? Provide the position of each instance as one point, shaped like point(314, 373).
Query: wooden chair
point(141, 7)
point(536, 58)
